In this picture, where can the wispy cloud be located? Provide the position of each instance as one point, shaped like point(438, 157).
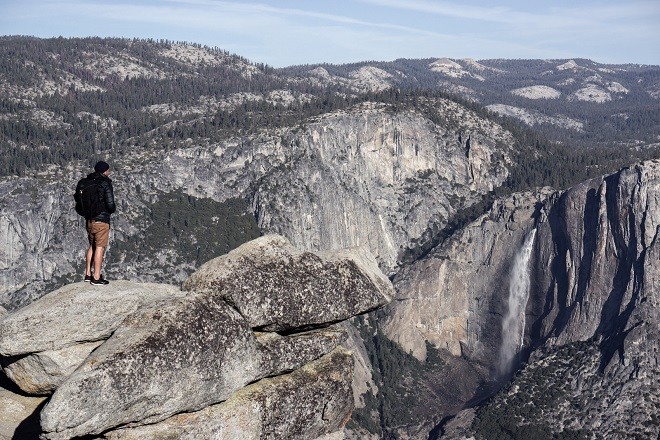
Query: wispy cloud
point(257, 19)
point(581, 29)
point(550, 16)
point(497, 14)
point(257, 13)
point(282, 32)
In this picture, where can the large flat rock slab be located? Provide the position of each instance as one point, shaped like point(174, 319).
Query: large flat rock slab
point(278, 288)
point(74, 314)
point(286, 353)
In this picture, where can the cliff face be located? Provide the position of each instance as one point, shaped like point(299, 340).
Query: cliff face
point(595, 305)
point(592, 268)
point(590, 309)
point(597, 262)
point(34, 218)
point(378, 179)
point(456, 297)
point(370, 176)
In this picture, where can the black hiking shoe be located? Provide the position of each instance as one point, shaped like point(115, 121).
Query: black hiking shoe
point(88, 278)
point(99, 282)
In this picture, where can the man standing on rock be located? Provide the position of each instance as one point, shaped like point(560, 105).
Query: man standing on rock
point(95, 200)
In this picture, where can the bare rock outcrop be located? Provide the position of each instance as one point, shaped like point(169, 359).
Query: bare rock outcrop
point(74, 314)
point(287, 353)
point(330, 287)
point(78, 318)
point(310, 402)
point(180, 356)
point(18, 414)
point(41, 373)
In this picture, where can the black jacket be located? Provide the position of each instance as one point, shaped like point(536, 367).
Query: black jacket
point(106, 194)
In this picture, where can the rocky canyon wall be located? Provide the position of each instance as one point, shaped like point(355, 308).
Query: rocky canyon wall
point(592, 279)
point(371, 176)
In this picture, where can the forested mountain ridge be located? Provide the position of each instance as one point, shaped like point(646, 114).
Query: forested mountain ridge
point(575, 101)
point(63, 99)
point(68, 99)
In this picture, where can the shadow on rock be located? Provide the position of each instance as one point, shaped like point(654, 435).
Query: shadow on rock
point(30, 429)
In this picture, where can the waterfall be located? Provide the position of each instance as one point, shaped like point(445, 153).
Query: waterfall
point(513, 324)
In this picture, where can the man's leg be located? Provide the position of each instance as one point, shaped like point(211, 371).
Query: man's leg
point(89, 259)
point(101, 235)
point(98, 261)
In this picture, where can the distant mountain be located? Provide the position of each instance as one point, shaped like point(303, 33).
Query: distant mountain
point(64, 99)
point(574, 101)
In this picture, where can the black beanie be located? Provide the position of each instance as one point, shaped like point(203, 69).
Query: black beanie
point(101, 167)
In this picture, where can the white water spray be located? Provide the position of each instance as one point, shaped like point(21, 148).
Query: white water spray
point(513, 325)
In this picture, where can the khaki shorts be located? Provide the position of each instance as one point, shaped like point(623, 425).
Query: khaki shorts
point(98, 233)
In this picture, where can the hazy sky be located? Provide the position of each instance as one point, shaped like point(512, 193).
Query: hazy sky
point(287, 32)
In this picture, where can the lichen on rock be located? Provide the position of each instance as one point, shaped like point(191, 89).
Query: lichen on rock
point(174, 357)
point(312, 401)
point(278, 288)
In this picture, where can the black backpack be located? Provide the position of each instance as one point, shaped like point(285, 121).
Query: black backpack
point(88, 199)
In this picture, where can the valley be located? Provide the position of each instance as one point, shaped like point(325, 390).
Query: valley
point(439, 168)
